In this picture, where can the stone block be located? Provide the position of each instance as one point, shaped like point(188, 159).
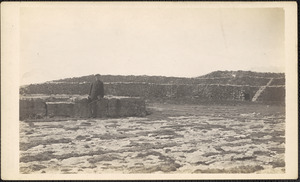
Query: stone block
point(32, 108)
point(65, 109)
point(82, 108)
point(113, 108)
point(102, 108)
point(132, 107)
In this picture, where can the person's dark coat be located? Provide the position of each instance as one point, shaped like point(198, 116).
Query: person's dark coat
point(97, 89)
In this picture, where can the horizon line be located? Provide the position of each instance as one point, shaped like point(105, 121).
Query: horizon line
point(195, 77)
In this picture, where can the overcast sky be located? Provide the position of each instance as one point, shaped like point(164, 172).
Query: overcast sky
point(66, 42)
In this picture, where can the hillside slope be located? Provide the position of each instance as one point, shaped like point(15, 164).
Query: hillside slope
point(219, 74)
point(216, 77)
point(218, 85)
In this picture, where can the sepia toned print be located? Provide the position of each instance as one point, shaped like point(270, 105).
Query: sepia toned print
point(153, 91)
point(162, 125)
point(156, 127)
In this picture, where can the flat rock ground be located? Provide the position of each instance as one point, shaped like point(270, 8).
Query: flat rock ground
point(244, 138)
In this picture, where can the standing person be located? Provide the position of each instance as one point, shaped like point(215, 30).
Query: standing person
point(96, 93)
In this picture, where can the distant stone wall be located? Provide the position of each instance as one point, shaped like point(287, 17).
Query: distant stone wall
point(251, 81)
point(273, 93)
point(56, 88)
point(79, 107)
point(278, 82)
point(149, 91)
point(216, 77)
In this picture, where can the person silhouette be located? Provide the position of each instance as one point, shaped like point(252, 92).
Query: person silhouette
point(96, 93)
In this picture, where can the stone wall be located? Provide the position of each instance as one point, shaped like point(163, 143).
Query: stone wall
point(226, 77)
point(278, 82)
point(273, 93)
point(56, 88)
point(146, 90)
point(79, 107)
point(154, 91)
point(33, 108)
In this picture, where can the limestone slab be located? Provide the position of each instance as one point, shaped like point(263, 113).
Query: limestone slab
point(60, 109)
point(32, 108)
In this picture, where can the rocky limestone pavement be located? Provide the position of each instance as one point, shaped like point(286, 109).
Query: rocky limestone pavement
point(210, 139)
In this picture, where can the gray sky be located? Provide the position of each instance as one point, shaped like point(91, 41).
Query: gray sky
point(66, 42)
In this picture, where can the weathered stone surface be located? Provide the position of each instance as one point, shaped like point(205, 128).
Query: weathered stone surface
point(113, 108)
point(60, 109)
point(126, 106)
point(186, 139)
point(32, 108)
point(216, 91)
point(273, 93)
point(82, 108)
point(132, 107)
point(47, 98)
point(102, 108)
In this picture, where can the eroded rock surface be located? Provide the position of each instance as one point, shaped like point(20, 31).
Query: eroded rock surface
point(173, 139)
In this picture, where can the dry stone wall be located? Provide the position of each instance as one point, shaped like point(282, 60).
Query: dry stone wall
point(241, 73)
point(149, 90)
point(32, 108)
point(251, 81)
point(232, 77)
point(218, 85)
point(56, 88)
point(273, 93)
point(79, 107)
point(65, 109)
point(278, 82)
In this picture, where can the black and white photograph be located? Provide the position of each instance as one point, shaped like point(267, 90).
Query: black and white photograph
point(152, 89)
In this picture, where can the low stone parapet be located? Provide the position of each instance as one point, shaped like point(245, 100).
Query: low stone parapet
point(123, 107)
point(80, 107)
point(65, 109)
point(32, 108)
